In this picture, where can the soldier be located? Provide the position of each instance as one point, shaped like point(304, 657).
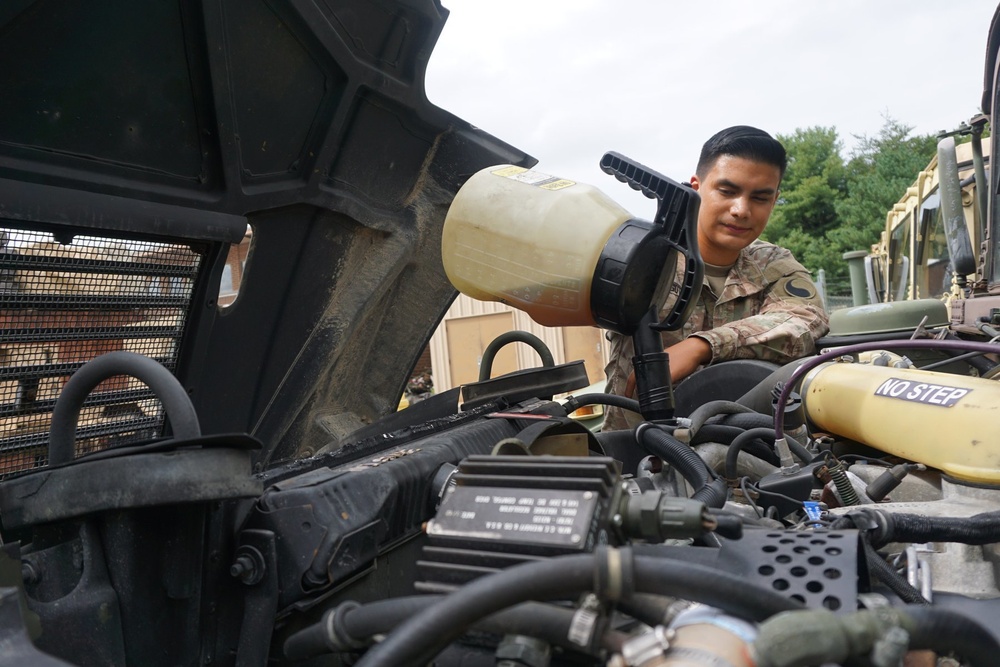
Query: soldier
point(757, 301)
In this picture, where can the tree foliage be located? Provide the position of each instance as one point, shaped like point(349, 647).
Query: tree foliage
point(829, 205)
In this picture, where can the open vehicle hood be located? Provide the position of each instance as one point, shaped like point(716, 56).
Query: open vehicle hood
point(184, 122)
point(138, 141)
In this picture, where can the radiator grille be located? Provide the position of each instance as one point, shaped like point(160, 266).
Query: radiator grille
point(65, 301)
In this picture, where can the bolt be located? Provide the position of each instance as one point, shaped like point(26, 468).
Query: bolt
point(243, 565)
point(574, 539)
point(29, 574)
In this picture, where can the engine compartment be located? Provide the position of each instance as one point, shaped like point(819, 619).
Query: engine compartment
point(509, 532)
point(253, 498)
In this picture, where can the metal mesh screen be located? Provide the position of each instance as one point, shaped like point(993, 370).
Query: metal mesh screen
point(66, 301)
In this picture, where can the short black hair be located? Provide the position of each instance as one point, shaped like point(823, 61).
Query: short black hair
point(745, 142)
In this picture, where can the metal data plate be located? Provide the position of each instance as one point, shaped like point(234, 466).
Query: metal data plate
point(524, 516)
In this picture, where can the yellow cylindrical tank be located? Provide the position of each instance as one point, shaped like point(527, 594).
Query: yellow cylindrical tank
point(948, 422)
point(529, 240)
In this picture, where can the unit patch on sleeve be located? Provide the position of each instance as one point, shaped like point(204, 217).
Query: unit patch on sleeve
point(796, 287)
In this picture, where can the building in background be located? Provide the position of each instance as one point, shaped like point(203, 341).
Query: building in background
point(457, 346)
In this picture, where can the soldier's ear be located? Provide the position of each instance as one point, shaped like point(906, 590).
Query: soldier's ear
point(695, 183)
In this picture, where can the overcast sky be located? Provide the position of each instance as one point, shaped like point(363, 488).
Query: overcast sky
point(568, 80)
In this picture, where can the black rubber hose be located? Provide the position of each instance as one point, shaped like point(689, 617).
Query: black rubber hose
point(66, 413)
point(724, 435)
point(979, 529)
point(421, 637)
point(665, 446)
point(759, 399)
point(652, 610)
point(748, 421)
point(944, 631)
point(799, 450)
point(351, 627)
point(740, 444)
point(574, 402)
point(744, 420)
point(703, 413)
point(869, 522)
point(983, 365)
point(490, 353)
point(713, 494)
point(716, 433)
point(887, 574)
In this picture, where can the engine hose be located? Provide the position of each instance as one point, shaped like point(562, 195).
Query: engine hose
point(716, 433)
point(944, 631)
point(574, 402)
point(610, 573)
point(745, 443)
point(978, 529)
point(740, 444)
point(887, 574)
point(724, 435)
point(713, 494)
point(352, 627)
point(871, 523)
point(687, 462)
point(652, 610)
point(744, 420)
point(798, 449)
point(748, 421)
point(490, 353)
point(759, 399)
point(703, 413)
point(177, 404)
point(982, 364)
point(673, 451)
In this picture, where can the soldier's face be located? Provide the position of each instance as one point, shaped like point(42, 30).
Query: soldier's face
point(737, 197)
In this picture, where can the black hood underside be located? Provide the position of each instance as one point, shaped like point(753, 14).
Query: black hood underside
point(182, 122)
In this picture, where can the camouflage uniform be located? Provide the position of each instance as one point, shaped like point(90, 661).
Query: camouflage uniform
point(769, 309)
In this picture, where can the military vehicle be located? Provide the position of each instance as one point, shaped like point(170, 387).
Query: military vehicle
point(222, 255)
point(943, 212)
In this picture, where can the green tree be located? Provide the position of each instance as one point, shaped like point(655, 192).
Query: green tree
point(828, 206)
point(814, 184)
point(878, 173)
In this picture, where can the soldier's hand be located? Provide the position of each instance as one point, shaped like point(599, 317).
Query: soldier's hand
point(685, 358)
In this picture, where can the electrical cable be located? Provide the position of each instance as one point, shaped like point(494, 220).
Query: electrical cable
point(746, 494)
point(775, 494)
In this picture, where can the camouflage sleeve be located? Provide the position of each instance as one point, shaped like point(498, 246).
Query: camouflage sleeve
point(617, 371)
point(790, 319)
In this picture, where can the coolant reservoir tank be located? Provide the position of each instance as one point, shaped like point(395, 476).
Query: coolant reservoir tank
point(945, 421)
point(543, 244)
